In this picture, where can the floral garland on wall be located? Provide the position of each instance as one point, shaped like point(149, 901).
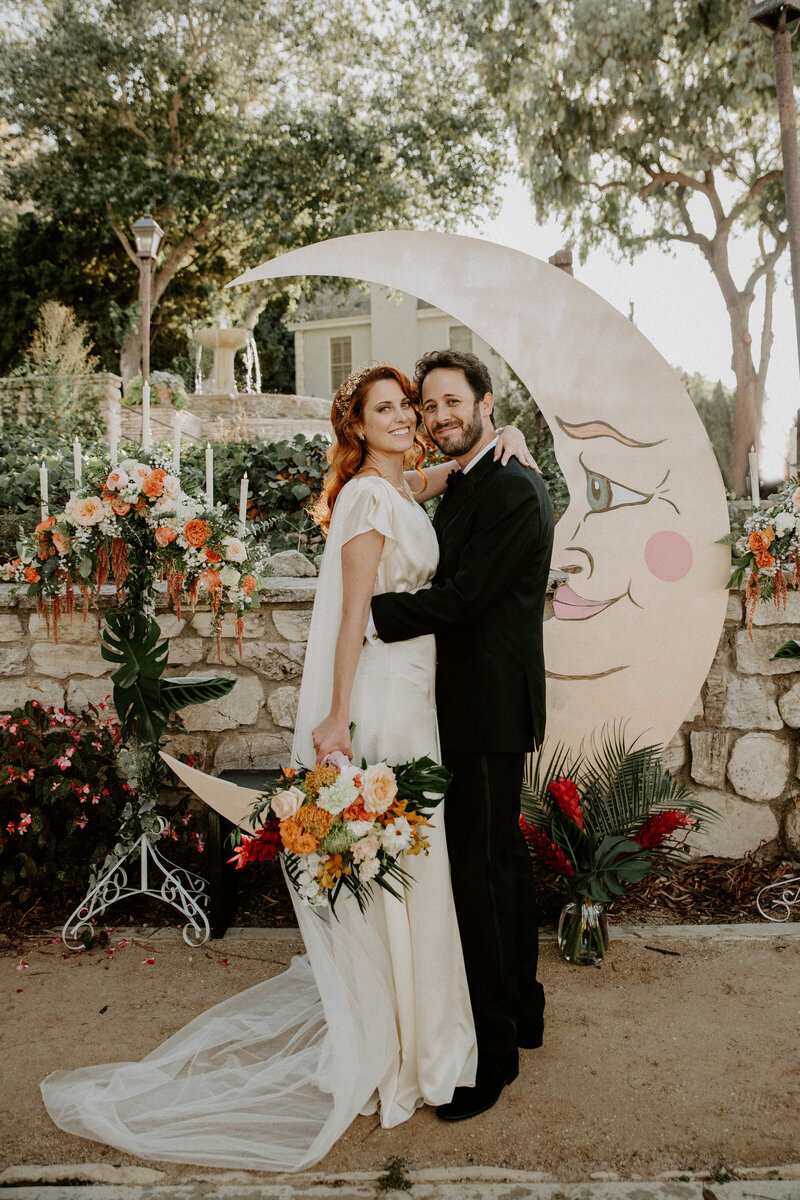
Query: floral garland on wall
point(135, 525)
point(767, 550)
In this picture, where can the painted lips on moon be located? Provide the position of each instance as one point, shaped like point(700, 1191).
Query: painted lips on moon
point(636, 624)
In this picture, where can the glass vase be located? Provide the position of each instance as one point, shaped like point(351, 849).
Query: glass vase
point(583, 932)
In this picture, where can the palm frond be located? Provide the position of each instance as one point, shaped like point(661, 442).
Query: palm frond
point(541, 768)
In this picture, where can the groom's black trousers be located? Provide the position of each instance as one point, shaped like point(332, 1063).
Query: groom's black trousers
point(493, 890)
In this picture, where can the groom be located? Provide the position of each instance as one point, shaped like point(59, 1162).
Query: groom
point(485, 606)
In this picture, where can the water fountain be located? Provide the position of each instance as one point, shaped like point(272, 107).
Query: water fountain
point(225, 412)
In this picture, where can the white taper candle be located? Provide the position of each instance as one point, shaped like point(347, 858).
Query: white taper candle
point(77, 460)
point(114, 429)
point(243, 500)
point(793, 450)
point(43, 490)
point(176, 443)
point(146, 435)
point(209, 476)
point(752, 458)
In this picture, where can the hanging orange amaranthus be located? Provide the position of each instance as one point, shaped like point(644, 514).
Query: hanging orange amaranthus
point(752, 599)
point(119, 565)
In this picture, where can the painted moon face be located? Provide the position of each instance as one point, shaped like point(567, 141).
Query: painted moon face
point(636, 624)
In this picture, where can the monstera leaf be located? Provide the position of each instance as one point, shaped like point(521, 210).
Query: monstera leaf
point(132, 640)
point(180, 693)
point(788, 650)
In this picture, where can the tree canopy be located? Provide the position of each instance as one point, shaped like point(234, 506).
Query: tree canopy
point(649, 121)
point(246, 127)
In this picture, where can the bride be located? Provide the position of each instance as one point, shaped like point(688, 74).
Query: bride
point(377, 1015)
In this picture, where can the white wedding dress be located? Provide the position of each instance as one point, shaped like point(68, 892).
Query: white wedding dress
point(376, 1015)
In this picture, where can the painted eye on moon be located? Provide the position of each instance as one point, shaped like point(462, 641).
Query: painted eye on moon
point(603, 493)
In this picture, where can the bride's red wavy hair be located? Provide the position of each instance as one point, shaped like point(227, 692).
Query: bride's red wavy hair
point(347, 453)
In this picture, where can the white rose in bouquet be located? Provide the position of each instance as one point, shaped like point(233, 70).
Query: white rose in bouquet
point(784, 522)
point(378, 787)
point(368, 869)
point(235, 549)
point(286, 803)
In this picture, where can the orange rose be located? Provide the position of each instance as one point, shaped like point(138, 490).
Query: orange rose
point(165, 535)
point(197, 532)
point(120, 507)
point(61, 543)
point(48, 523)
point(761, 539)
point(32, 575)
point(248, 584)
point(210, 580)
point(152, 486)
point(212, 556)
point(764, 559)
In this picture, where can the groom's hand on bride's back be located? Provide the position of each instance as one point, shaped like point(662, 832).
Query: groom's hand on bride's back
point(330, 735)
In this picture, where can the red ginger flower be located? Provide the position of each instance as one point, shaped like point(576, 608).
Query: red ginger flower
point(660, 826)
point(548, 851)
point(567, 799)
point(264, 845)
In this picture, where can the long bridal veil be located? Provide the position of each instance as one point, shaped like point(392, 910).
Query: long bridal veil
point(272, 1077)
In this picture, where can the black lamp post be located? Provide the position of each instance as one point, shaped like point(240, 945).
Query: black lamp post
point(147, 234)
point(776, 16)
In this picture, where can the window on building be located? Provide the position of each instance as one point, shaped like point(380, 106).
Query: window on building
point(341, 361)
point(461, 339)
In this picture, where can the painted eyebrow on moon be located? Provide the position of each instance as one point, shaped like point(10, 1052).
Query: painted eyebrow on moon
point(597, 429)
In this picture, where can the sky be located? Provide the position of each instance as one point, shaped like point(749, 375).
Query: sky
point(677, 304)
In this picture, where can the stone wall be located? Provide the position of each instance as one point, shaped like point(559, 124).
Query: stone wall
point(737, 750)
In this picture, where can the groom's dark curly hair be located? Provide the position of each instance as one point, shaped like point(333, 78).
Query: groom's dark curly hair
point(475, 371)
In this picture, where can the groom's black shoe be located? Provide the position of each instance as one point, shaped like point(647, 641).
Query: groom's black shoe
point(469, 1101)
point(530, 1033)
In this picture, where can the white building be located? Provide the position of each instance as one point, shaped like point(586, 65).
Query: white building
point(338, 333)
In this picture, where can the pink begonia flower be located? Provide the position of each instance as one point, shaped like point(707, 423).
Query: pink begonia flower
point(11, 827)
point(63, 763)
point(21, 965)
point(25, 820)
point(82, 821)
point(122, 943)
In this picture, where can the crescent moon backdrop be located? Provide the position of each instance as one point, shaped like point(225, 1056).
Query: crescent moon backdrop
point(635, 629)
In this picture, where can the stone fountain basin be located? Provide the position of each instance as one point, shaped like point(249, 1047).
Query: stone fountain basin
point(225, 339)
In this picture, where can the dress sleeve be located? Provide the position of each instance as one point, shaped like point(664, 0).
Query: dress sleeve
point(365, 506)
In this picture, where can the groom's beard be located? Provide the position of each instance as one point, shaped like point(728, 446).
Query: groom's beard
point(458, 438)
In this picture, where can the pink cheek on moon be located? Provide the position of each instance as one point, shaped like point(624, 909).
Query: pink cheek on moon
point(668, 556)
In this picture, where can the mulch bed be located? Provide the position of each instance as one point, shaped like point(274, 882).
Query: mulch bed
point(702, 892)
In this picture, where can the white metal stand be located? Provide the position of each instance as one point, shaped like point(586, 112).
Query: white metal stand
point(788, 895)
point(180, 888)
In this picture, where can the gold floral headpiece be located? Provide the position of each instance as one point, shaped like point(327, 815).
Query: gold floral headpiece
point(345, 392)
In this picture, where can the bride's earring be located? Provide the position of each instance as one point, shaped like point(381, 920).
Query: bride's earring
point(360, 435)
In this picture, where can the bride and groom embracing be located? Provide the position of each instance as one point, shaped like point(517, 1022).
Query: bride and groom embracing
point(428, 638)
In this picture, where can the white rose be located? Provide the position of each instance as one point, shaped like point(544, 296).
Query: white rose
point(235, 549)
point(359, 828)
point(368, 869)
point(172, 487)
point(85, 510)
point(397, 836)
point(286, 803)
point(367, 848)
point(230, 576)
point(164, 504)
point(784, 522)
point(117, 480)
point(378, 787)
point(140, 472)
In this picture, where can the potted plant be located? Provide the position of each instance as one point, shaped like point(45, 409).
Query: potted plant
point(602, 821)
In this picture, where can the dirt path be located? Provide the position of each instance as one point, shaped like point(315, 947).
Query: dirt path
point(652, 1062)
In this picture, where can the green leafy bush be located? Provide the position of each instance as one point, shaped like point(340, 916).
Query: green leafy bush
point(166, 387)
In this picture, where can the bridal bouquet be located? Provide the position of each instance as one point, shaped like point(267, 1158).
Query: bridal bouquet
point(344, 827)
point(768, 550)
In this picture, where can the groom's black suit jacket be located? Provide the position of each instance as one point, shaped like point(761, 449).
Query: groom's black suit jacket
point(485, 606)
